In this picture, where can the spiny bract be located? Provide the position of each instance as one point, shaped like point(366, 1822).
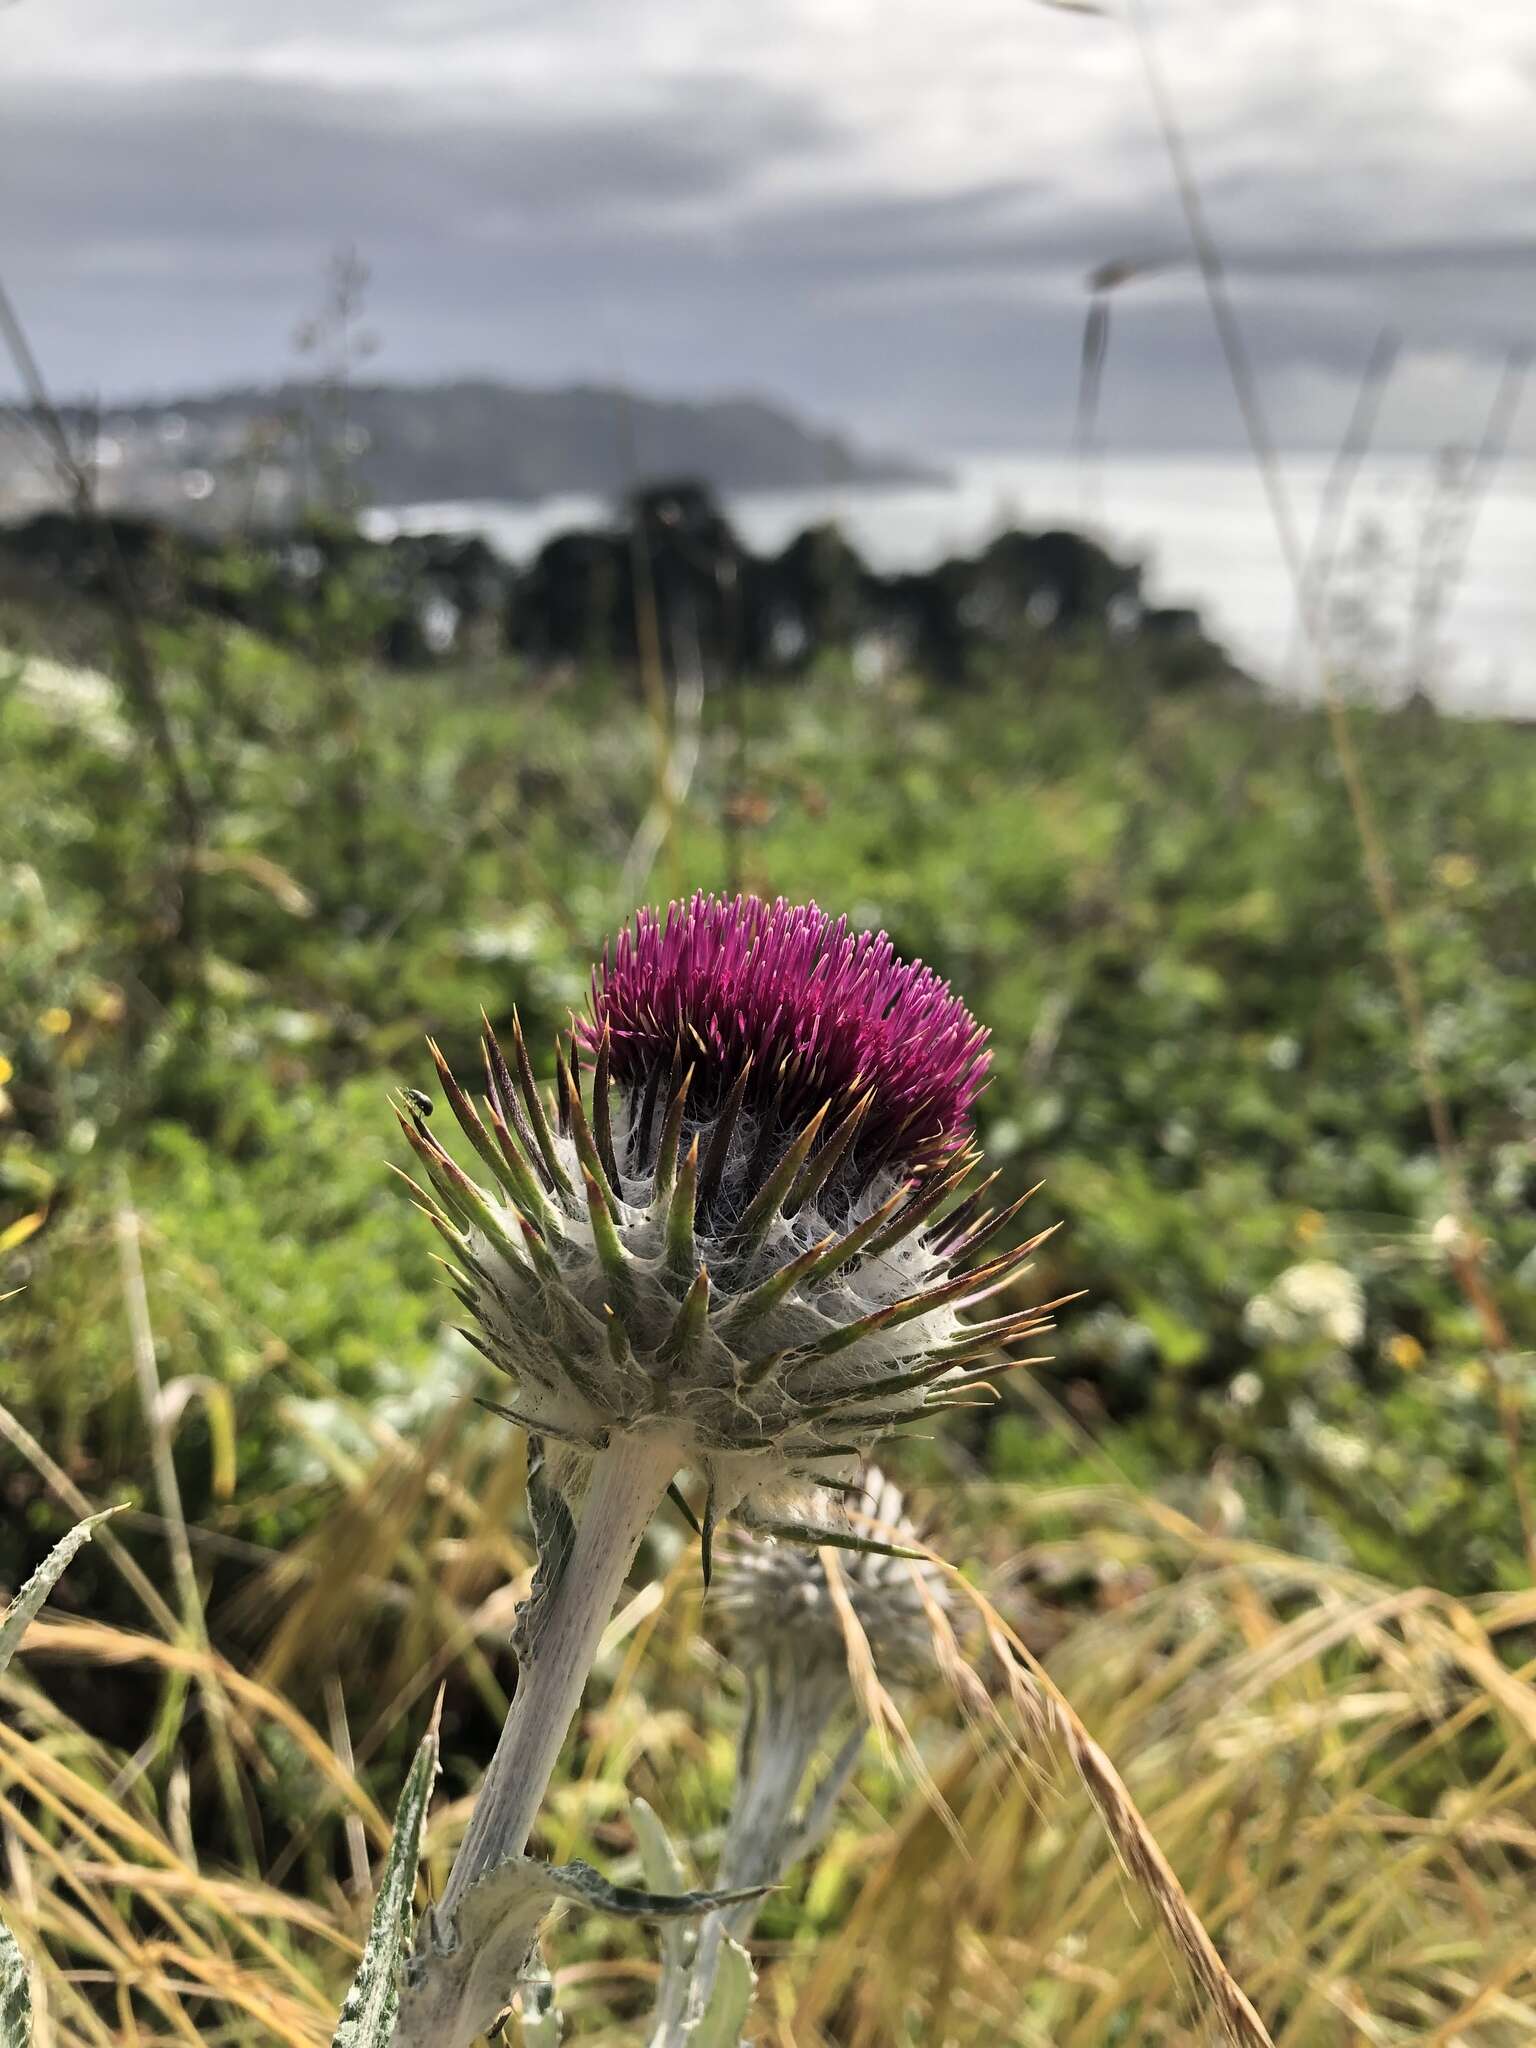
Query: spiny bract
point(742, 1216)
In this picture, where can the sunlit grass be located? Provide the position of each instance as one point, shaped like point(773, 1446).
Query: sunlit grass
point(1342, 1774)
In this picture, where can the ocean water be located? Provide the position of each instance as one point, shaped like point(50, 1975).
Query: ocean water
point(1425, 583)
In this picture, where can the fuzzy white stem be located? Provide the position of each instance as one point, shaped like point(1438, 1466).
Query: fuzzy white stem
point(790, 1715)
point(627, 1483)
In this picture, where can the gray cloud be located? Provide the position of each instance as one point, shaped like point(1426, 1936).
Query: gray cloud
point(230, 163)
point(698, 226)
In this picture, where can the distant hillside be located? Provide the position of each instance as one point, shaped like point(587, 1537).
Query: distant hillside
point(263, 453)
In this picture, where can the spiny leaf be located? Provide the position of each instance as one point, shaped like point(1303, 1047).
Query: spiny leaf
point(821, 1533)
point(13, 1626)
point(517, 1174)
point(537, 1117)
point(545, 1264)
point(588, 1887)
point(754, 1225)
point(818, 1169)
point(973, 1241)
point(536, 1425)
point(707, 1537)
point(922, 1375)
point(461, 1982)
point(612, 1256)
point(840, 1250)
point(503, 1092)
point(973, 1286)
point(679, 1500)
point(368, 2016)
point(960, 1218)
point(724, 2018)
point(751, 1307)
point(682, 1252)
point(565, 1087)
point(620, 1350)
point(691, 1321)
point(585, 1143)
point(15, 1995)
point(602, 1117)
point(720, 1137)
point(466, 1115)
point(925, 1199)
point(671, 1137)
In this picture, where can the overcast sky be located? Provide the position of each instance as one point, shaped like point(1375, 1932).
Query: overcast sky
point(882, 211)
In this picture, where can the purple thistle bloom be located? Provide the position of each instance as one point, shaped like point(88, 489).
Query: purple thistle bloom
point(743, 1216)
point(813, 1014)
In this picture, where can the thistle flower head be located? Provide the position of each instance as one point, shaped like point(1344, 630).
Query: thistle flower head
point(742, 1217)
point(799, 1014)
point(776, 1605)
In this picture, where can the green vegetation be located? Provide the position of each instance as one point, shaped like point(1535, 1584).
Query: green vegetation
point(1274, 1407)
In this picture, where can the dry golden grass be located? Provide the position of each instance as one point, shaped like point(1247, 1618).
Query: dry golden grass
point(1341, 1774)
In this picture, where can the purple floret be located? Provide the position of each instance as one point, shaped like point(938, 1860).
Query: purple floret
point(825, 1014)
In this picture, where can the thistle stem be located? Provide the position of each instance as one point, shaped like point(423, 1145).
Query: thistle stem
point(626, 1486)
point(788, 1717)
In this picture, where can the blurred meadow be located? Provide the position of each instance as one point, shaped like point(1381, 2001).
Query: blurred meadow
point(1259, 965)
point(1258, 1514)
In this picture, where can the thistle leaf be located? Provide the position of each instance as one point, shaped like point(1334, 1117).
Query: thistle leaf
point(533, 1425)
point(707, 1538)
point(679, 1500)
point(462, 1979)
point(609, 1246)
point(818, 1534)
point(466, 1115)
point(516, 1174)
point(692, 1320)
point(730, 2000)
point(682, 1252)
point(960, 1219)
point(15, 1996)
point(368, 2016)
point(720, 1138)
point(602, 1118)
point(13, 1626)
point(671, 1138)
point(819, 1169)
point(501, 1090)
point(754, 1225)
point(960, 1287)
point(923, 1202)
point(581, 1135)
point(537, 1117)
point(766, 1296)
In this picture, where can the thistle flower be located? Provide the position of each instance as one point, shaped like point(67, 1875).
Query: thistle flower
point(739, 1223)
point(736, 1241)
